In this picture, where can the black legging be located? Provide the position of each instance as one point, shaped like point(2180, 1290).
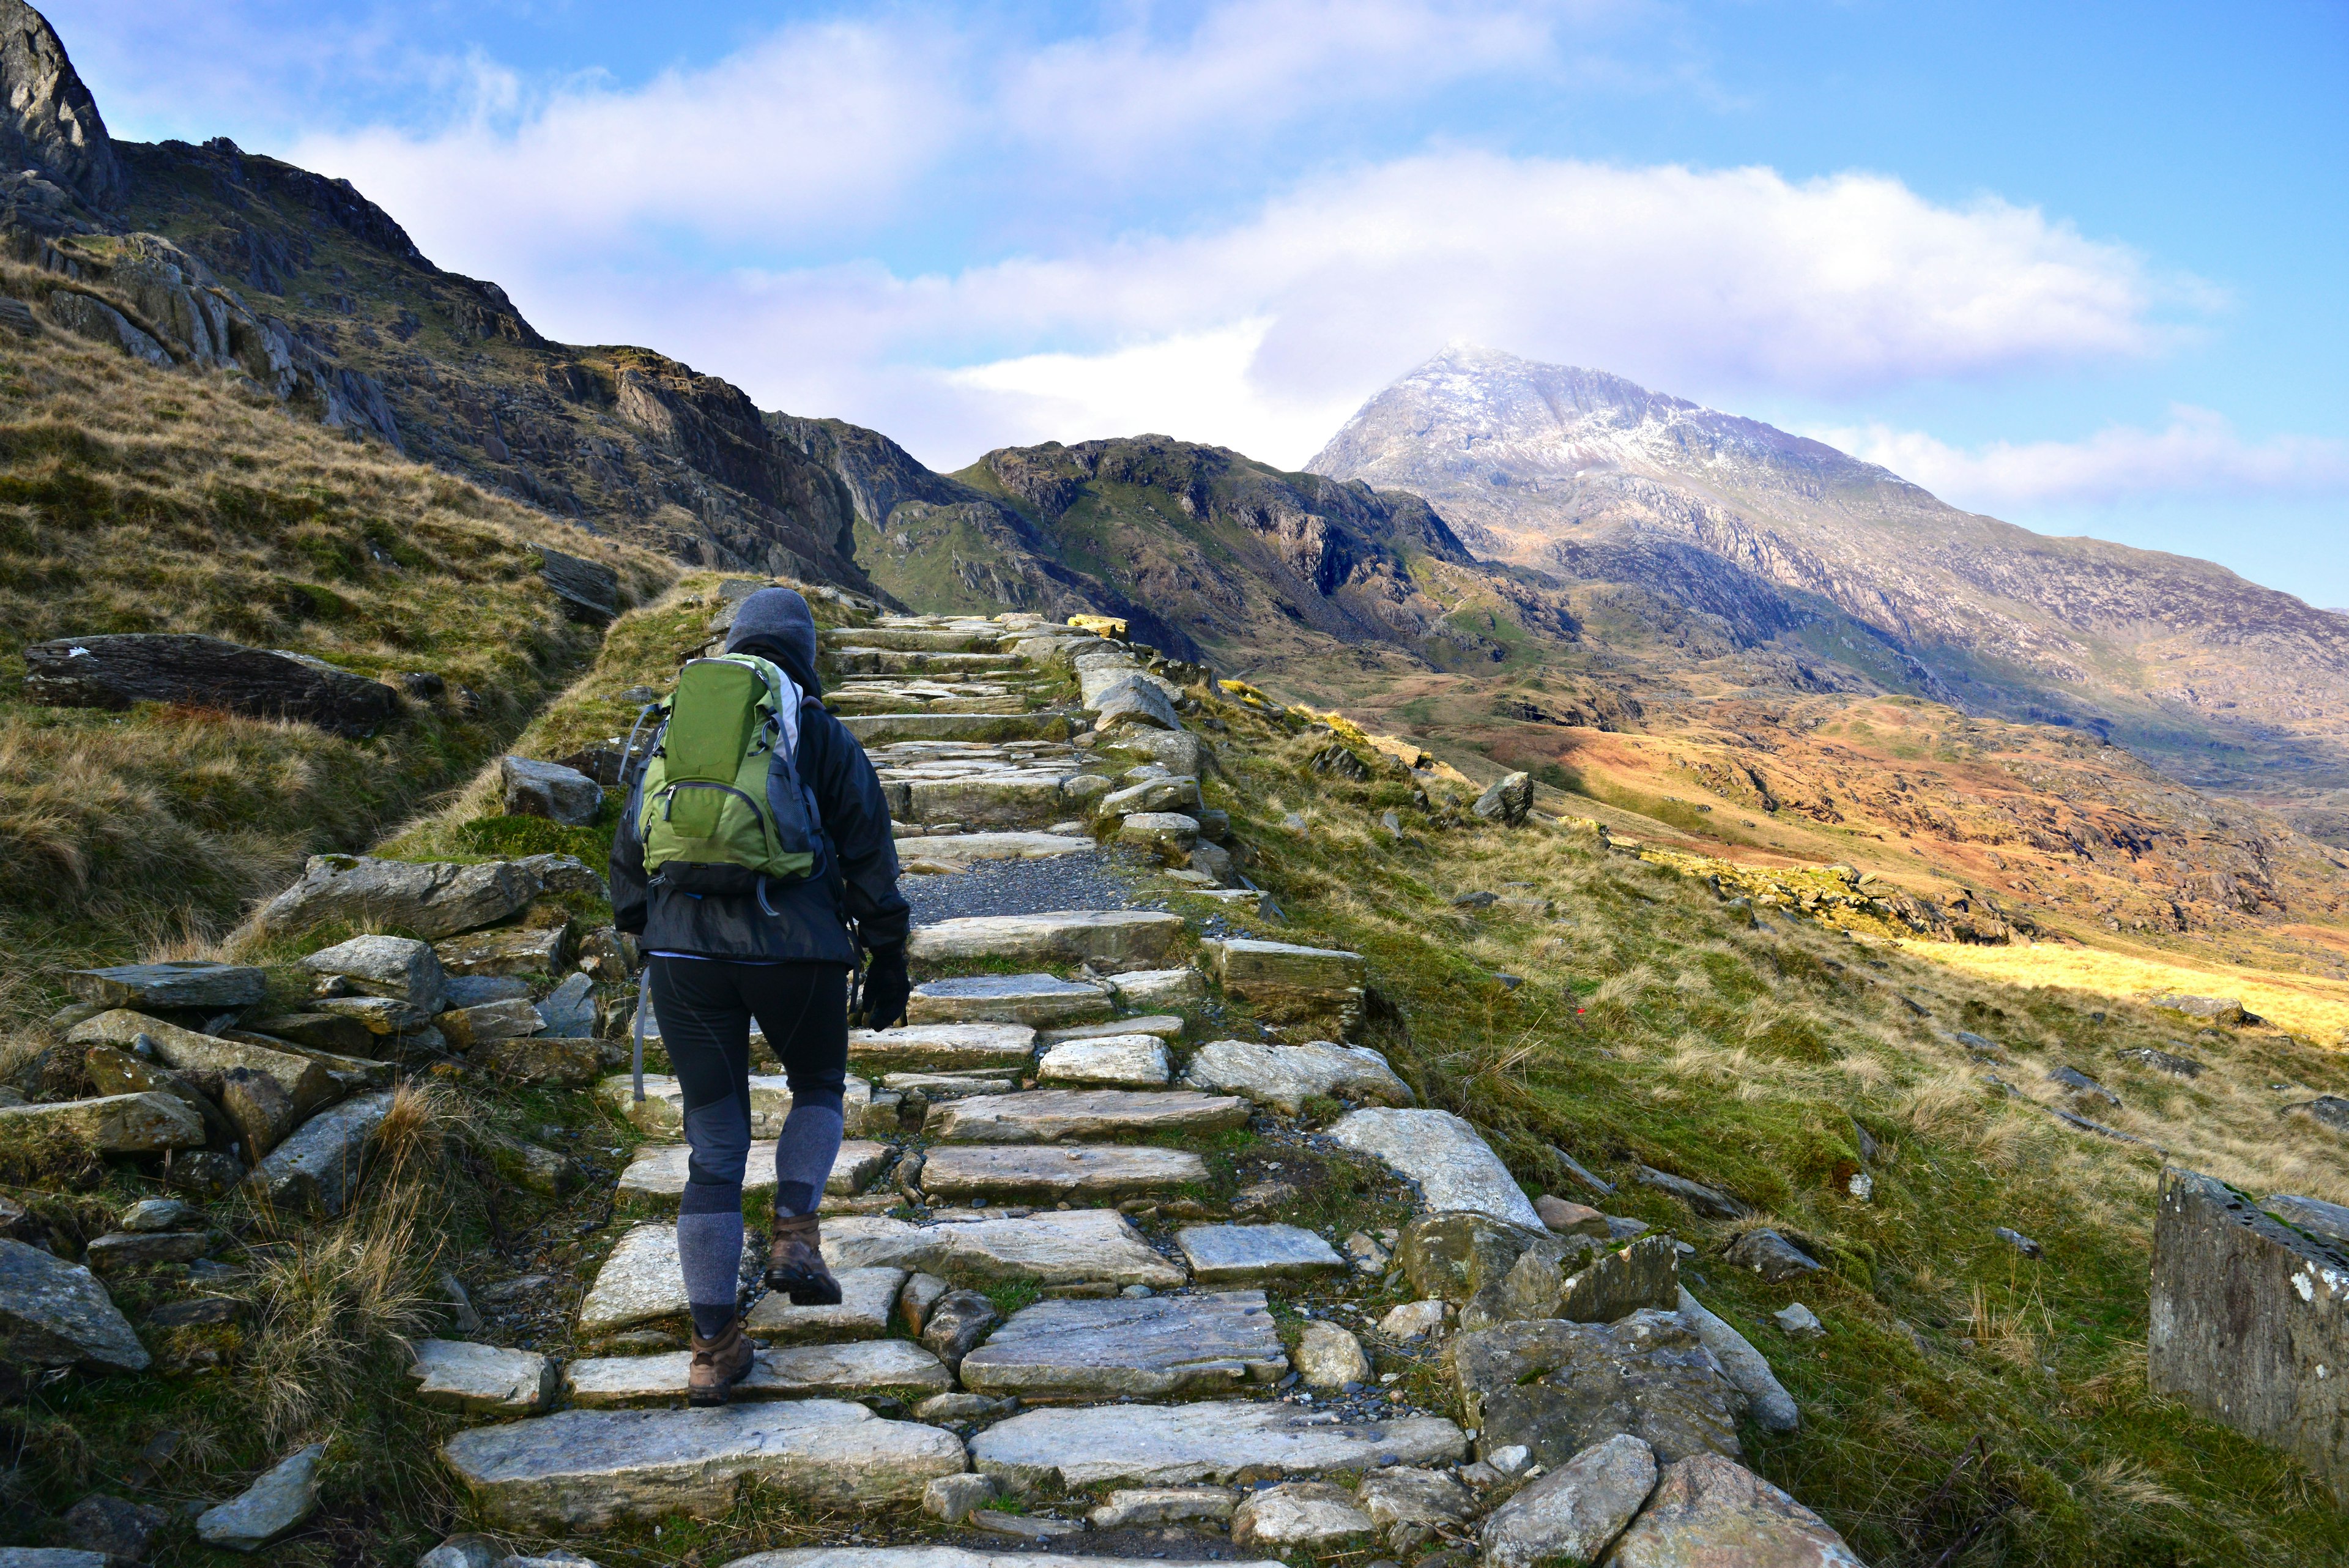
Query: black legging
point(704, 1007)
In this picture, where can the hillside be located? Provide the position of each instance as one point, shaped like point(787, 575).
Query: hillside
point(2224, 684)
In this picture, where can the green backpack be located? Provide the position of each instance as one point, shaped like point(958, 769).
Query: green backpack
point(720, 804)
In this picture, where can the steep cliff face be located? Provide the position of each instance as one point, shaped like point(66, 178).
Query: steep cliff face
point(50, 123)
point(2224, 683)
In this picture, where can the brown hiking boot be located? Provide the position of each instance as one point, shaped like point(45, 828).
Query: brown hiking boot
point(795, 1262)
point(718, 1365)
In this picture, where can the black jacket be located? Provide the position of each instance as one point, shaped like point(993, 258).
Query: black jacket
point(804, 923)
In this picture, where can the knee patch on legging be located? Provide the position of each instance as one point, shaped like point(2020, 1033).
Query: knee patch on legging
point(720, 1137)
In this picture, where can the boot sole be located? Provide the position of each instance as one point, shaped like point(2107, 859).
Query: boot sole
point(805, 1291)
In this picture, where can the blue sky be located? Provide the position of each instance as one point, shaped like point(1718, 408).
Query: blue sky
point(2078, 266)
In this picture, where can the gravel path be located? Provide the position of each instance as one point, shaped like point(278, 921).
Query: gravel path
point(1083, 881)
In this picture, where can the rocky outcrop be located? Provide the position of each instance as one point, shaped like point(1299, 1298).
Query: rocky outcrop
point(51, 122)
point(2251, 1323)
point(116, 669)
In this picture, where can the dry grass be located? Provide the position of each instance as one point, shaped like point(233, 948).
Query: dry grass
point(133, 499)
point(2313, 1009)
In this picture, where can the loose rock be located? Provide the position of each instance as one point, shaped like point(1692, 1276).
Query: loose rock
point(55, 1314)
point(281, 1500)
point(561, 795)
point(1770, 1255)
point(1285, 1077)
point(1571, 1514)
point(1455, 1169)
point(397, 967)
point(1329, 1357)
point(1706, 1509)
point(1298, 1516)
point(1255, 1255)
point(181, 984)
point(482, 1378)
point(1559, 1387)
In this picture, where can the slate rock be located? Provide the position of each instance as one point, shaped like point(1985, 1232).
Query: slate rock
point(1563, 1218)
point(1770, 1255)
point(2079, 1083)
point(951, 1499)
point(191, 983)
point(943, 1048)
point(955, 1323)
point(55, 1314)
point(1469, 1258)
point(151, 1214)
point(2221, 1010)
point(1145, 988)
point(146, 1123)
point(583, 1469)
point(1169, 835)
point(2019, 1241)
point(1046, 1115)
point(1110, 940)
point(1773, 1408)
point(318, 1170)
point(1064, 1248)
point(115, 1071)
point(2327, 1221)
point(123, 1252)
point(257, 1105)
point(507, 953)
point(432, 899)
point(2162, 1062)
point(568, 1061)
point(1145, 1348)
point(380, 1016)
point(569, 1010)
point(1298, 1516)
point(1134, 1508)
point(116, 669)
point(283, 1497)
point(480, 989)
point(862, 1312)
point(2330, 1111)
point(1453, 1166)
point(1288, 983)
point(113, 1526)
point(1134, 703)
point(397, 967)
point(1574, 1513)
point(921, 1293)
point(1051, 1173)
point(1255, 1255)
point(1559, 1387)
point(892, 1367)
point(1609, 1287)
point(483, 1379)
point(1797, 1321)
point(1706, 1509)
point(1035, 1000)
point(1705, 1200)
point(465, 1551)
point(1413, 1319)
point(588, 591)
point(1115, 1061)
point(561, 795)
point(1285, 1077)
point(467, 1027)
point(1172, 1445)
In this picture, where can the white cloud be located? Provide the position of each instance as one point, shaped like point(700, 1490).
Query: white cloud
point(2198, 454)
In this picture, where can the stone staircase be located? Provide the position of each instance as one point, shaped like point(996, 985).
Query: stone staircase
point(1058, 1280)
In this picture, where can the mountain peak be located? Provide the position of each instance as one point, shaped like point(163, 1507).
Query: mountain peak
point(48, 121)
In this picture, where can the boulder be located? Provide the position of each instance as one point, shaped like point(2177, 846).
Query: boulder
point(2328, 1222)
point(1286, 983)
point(1705, 1510)
point(1169, 835)
point(1612, 1285)
point(147, 1123)
point(1507, 801)
point(2222, 1011)
point(2251, 1323)
point(218, 986)
point(1328, 1357)
point(1179, 752)
point(1451, 1163)
point(1470, 1258)
point(56, 1313)
point(1285, 1077)
point(1167, 794)
point(1575, 1511)
point(430, 899)
point(397, 967)
point(120, 669)
point(1298, 1516)
point(1158, 987)
point(1559, 1387)
point(257, 1107)
point(560, 795)
point(2327, 1110)
point(281, 1498)
point(1134, 703)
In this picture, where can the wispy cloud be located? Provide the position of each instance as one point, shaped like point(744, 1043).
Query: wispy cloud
point(2198, 453)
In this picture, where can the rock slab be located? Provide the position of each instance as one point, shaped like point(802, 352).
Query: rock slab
point(318, 1170)
point(281, 1498)
point(1148, 1347)
point(1558, 1387)
point(1079, 1246)
point(1171, 1445)
point(183, 984)
point(485, 1379)
point(117, 670)
point(1251, 1254)
point(1453, 1166)
point(1052, 1173)
point(1285, 1077)
point(1572, 1513)
point(1045, 1115)
point(786, 1372)
point(582, 1469)
point(1707, 1510)
point(1110, 940)
point(56, 1313)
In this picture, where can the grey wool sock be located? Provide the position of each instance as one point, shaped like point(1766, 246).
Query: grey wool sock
point(710, 1248)
point(804, 1153)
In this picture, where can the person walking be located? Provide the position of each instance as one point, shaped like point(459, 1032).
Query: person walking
point(726, 943)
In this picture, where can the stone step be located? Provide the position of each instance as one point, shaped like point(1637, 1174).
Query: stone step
point(1164, 1026)
point(1108, 1061)
point(1154, 1348)
point(996, 796)
point(584, 1469)
point(662, 1113)
point(916, 638)
point(1108, 938)
point(943, 1048)
point(960, 849)
point(1168, 1444)
point(942, 1557)
point(1044, 1116)
point(1453, 1166)
point(1256, 1254)
point(659, 1170)
point(1035, 1000)
point(854, 662)
point(854, 703)
point(889, 1367)
point(884, 727)
point(640, 1282)
point(1026, 1171)
point(1073, 1246)
point(867, 1297)
point(948, 1085)
point(1285, 1077)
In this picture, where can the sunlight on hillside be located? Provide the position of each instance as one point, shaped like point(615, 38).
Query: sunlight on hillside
point(2312, 1009)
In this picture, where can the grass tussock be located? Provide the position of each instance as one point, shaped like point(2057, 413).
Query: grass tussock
point(138, 500)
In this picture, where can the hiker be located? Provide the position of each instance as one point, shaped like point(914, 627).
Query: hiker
point(768, 835)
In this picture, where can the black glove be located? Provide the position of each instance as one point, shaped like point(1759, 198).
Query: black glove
point(886, 987)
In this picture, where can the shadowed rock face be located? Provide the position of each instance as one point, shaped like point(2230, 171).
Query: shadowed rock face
point(51, 122)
